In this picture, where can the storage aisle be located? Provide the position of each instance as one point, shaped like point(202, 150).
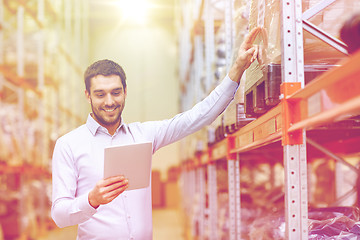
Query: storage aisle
point(168, 224)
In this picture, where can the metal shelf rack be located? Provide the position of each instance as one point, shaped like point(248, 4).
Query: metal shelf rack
point(289, 130)
point(42, 47)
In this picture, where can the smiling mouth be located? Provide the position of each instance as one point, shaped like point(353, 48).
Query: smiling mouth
point(110, 110)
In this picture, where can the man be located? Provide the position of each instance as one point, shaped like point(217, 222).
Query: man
point(102, 208)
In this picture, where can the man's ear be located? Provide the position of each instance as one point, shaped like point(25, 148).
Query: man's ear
point(125, 92)
point(87, 94)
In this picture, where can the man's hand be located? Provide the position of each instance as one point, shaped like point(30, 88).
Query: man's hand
point(246, 55)
point(107, 190)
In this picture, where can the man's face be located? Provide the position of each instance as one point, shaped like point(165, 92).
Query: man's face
point(107, 98)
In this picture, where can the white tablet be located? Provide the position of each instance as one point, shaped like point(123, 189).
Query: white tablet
point(133, 161)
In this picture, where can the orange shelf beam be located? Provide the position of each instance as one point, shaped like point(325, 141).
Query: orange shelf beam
point(219, 150)
point(333, 96)
point(262, 131)
point(18, 81)
point(202, 158)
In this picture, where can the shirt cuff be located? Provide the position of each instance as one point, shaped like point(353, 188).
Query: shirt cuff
point(228, 86)
point(84, 205)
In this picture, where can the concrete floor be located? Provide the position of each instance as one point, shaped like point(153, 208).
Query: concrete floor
point(167, 224)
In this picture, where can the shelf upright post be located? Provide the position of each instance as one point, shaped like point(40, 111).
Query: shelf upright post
point(229, 40)
point(237, 197)
point(84, 44)
point(229, 6)
point(232, 198)
point(294, 145)
point(190, 190)
point(198, 67)
point(185, 182)
point(41, 85)
point(202, 195)
point(1, 46)
point(209, 44)
point(20, 90)
point(85, 32)
point(20, 42)
point(67, 74)
point(212, 189)
point(77, 98)
point(1, 34)
point(42, 125)
point(20, 62)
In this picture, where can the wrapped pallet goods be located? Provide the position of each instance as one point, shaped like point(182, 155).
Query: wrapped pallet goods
point(262, 88)
point(223, 216)
point(222, 200)
point(4, 150)
point(330, 20)
point(337, 223)
point(234, 114)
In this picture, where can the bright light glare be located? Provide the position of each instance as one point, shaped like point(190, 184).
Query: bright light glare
point(134, 11)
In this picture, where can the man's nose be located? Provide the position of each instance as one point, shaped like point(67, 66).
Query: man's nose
point(109, 100)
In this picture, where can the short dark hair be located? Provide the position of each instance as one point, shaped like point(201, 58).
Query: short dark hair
point(106, 68)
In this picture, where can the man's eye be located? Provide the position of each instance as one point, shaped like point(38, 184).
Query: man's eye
point(116, 93)
point(99, 95)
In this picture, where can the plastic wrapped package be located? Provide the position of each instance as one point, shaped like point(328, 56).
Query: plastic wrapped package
point(321, 189)
point(249, 212)
point(333, 212)
point(350, 33)
point(241, 23)
point(220, 54)
point(222, 176)
point(11, 127)
point(31, 200)
point(4, 150)
point(336, 223)
point(19, 138)
point(263, 77)
point(222, 199)
point(329, 20)
point(195, 214)
point(269, 227)
point(223, 216)
point(259, 198)
point(10, 199)
point(336, 228)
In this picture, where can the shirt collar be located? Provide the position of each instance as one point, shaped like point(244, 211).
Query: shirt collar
point(94, 126)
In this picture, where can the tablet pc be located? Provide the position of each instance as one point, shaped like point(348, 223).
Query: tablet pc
point(133, 161)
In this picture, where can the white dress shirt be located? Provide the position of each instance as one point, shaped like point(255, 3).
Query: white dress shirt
point(78, 160)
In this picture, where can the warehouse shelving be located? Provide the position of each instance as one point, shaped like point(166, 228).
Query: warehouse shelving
point(272, 127)
point(42, 49)
point(289, 131)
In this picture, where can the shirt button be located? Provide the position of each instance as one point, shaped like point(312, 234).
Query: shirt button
point(128, 216)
